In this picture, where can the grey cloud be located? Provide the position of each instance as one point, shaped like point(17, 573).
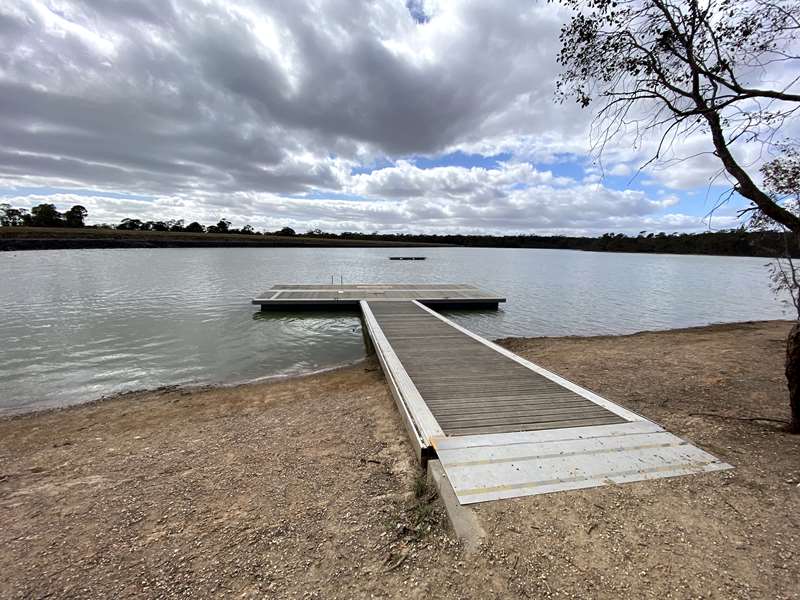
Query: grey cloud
point(168, 97)
point(541, 208)
point(154, 12)
point(228, 108)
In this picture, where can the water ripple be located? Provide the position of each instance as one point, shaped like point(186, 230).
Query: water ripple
point(76, 325)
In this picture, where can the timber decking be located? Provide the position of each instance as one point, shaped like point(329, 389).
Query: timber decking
point(471, 389)
point(287, 296)
point(500, 425)
point(504, 427)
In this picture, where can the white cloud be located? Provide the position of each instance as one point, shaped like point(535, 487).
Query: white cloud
point(150, 95)
point(403, 198)
point(235, 108)
point(620, 169)
point(405, 179)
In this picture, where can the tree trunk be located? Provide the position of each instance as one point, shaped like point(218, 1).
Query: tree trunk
point(744, 184)
point(793, 376)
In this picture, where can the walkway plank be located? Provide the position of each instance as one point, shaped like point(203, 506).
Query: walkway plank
point(461, 376)
point(507, 427)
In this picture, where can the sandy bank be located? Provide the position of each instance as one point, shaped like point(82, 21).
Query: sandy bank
point(307, 486)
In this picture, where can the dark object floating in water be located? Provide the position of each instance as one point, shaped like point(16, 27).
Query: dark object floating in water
point(407, 257)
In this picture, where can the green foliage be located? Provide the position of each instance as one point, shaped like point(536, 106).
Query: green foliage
point(733, 242)
point(12, 217)
point(221, 227)
point(195, 227)
point(42, 215)
point(421, 486)
point(130, 225)
point(424, 515)
point(75, 216)
point(46, 215)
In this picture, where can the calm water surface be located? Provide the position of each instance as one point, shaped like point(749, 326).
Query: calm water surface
point(79, 324)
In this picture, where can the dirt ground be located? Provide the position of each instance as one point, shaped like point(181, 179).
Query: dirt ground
point(307, 488)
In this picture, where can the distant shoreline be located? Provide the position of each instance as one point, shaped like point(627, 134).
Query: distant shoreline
point(47, 238)
point(11, 245)
point(722, 243)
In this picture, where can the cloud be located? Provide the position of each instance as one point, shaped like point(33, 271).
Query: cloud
point(405, 179)
point(166, 97)
point(405, 197)
point(620, 169)
point(215, 107)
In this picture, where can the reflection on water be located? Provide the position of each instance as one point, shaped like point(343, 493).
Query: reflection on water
point(76, 325)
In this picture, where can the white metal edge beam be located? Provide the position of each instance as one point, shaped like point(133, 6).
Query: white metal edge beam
point(377, 289)
point(607, 404)
point(288, 301)
point(358, 286)
point(334, 297)
point(411, 426)
point(416, 413)
point(355, 295)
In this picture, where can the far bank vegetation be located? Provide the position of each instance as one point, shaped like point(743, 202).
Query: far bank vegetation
point(44, 222)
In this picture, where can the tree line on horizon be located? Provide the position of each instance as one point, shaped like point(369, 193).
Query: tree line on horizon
point(47, 215)
point(729, 242)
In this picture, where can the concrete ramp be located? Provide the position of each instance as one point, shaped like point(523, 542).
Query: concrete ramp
point(508, 465)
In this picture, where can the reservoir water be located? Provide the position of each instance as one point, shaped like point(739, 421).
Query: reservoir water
point(76, 325)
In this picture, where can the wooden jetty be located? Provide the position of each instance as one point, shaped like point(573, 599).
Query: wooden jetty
point(450, 295)
point(407, 257)
point(500, 425)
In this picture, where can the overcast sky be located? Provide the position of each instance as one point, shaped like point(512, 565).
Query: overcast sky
point(332, 114)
